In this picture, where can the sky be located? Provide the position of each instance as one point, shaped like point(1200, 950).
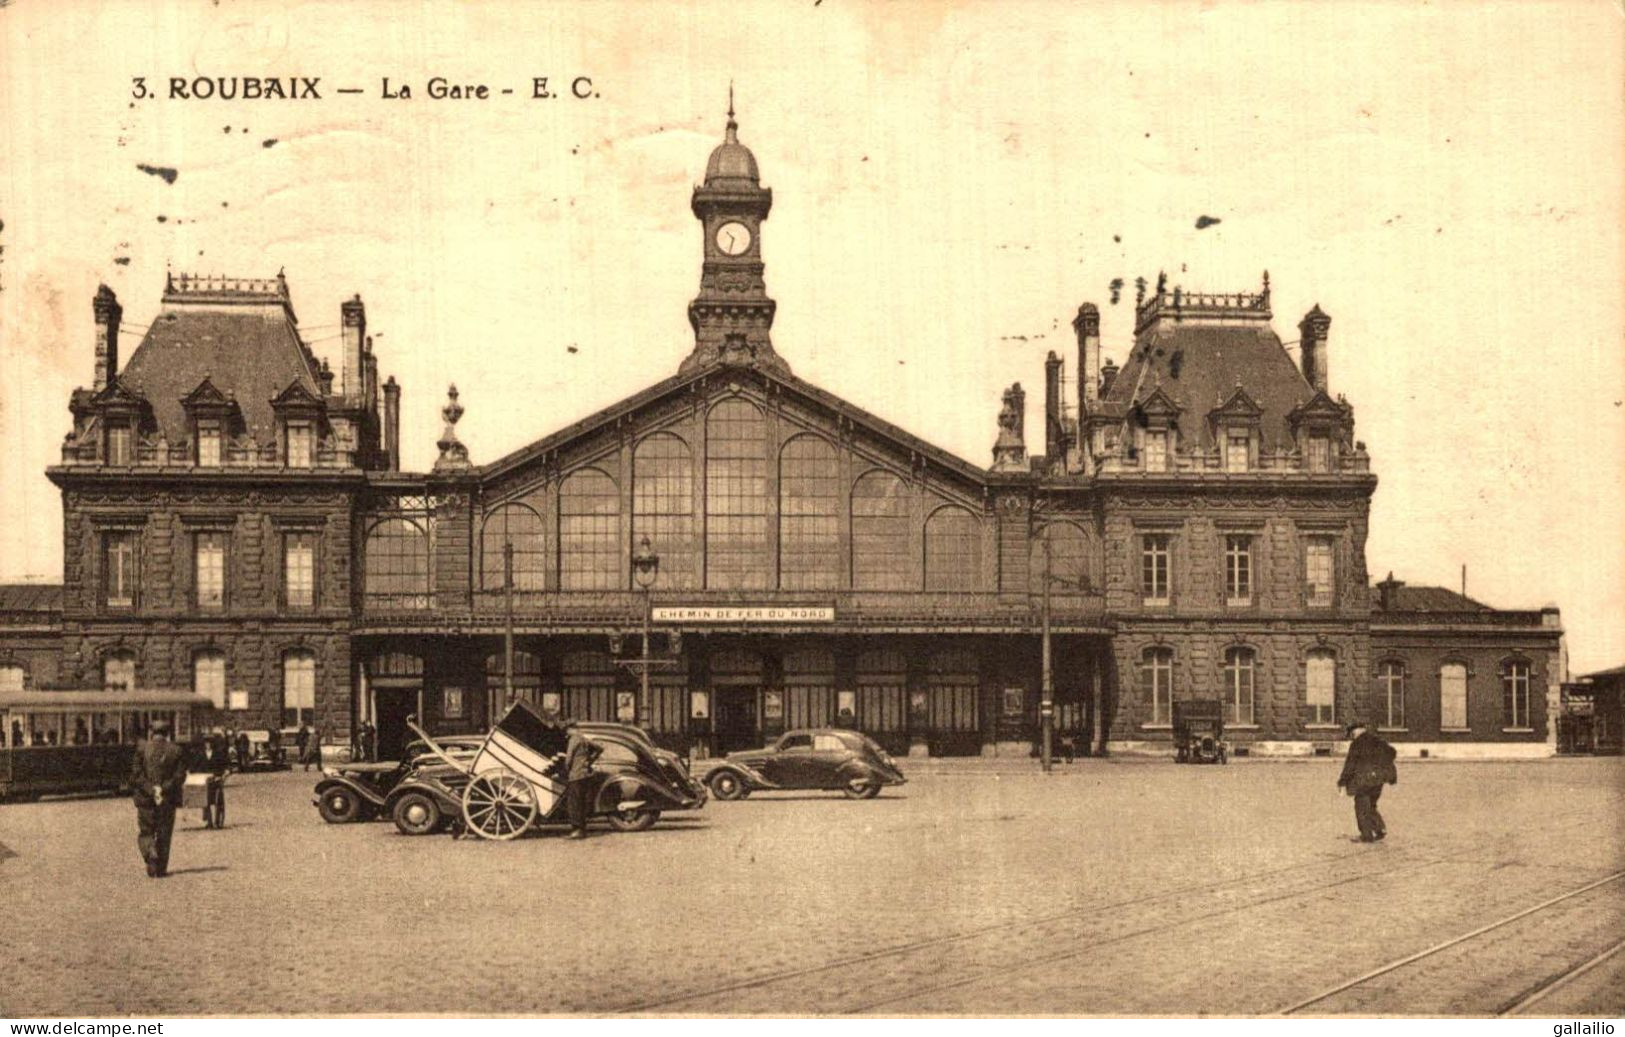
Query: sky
point(950, 182)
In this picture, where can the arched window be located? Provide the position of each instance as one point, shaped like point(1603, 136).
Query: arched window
point(953, 551)
point(1453, 697)
point(118, 671)
point(1238, 684)
point(663, 506)
point(590, 532)
point(880, 533)
point(1157, 684)
point(1391, 692)
point(209, 677)
point(1320, 686)
point(521, 526)
point(298, 688)
point(736, 546)
point(13, 677)
point(1515, 693)
point(397, 565)
point(1072, 559)
point(809, 515)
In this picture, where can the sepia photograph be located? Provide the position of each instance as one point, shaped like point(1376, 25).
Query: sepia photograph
point(723, 511)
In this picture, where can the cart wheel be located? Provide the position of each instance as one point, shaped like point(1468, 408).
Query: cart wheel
point(499, 804)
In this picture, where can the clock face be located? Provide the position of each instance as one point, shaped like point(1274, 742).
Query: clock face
point(733, 238)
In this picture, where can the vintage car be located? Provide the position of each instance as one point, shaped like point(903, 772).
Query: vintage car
point(362, 791)
point(632, 784)
point(823, 758)
point(1199, 732)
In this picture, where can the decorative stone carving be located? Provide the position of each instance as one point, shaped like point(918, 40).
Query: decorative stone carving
point(1010, 449)
point(453, 454)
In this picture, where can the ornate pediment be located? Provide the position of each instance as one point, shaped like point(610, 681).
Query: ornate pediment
point(1239, 406)
point(1318, 409)
point(297, 396)
point(1159, 408)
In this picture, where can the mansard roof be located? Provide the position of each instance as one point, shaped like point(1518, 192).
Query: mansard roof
point(240, 335)
point(808, 392)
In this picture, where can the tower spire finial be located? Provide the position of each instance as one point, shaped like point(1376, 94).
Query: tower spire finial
point(730, 100)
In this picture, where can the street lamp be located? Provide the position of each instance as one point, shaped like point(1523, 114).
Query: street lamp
point(645, 567)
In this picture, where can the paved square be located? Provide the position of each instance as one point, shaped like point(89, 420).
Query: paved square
point(1111, 887)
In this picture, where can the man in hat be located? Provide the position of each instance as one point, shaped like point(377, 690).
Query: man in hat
point(157, 775)
point(1368, 767)
point(579, 753)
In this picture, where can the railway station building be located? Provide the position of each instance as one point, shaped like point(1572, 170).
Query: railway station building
point(236, 520)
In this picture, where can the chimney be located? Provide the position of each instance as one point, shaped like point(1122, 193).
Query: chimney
point(369, 377)
point(1053, 434)
point(1108, 375)
point(1087, 325)
point(392, 423)
point(325, 377)
point(108, 313)
point(1312, 332)
point(1386, 591)
point(353, 319)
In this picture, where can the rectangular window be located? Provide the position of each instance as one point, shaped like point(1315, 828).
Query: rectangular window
point(1156, 451)
point(1238, 684)
point(209, 569)
point(118, 569)
point(1515, 694)
point(1319, 454)
point(1391, 693)
point(120, 444)
point(208, 444)
point(12, 678)
point(1321, 682)
point(301, 446)
point(1317, 571)
point(298, 688)
point(1238, 569)
point(209, 677)
point(1157, 684)
point(1154, 568)
point(1237, 456)
point(299, 570)
point(1453, 697)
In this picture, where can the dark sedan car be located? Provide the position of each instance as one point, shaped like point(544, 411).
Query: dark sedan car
point(362, 791)
point(824, 758)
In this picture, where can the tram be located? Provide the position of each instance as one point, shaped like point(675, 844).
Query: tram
point(83, 741)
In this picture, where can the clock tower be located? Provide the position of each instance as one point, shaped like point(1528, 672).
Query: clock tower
point(732, 314)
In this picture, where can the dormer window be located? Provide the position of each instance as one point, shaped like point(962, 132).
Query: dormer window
point(1318, 452)
point(120, 443)
point(208, 444)
point(301, 445)
point(1155, 453)
point(1237, 451)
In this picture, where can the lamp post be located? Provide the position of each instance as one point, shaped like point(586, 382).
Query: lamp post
point(507, 633)
point(1046, 707)
point(645, 567)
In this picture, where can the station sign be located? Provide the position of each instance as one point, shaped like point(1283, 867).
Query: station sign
point(743, 614)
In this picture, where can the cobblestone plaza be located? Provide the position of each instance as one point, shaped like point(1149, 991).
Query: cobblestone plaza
point(1111, 887)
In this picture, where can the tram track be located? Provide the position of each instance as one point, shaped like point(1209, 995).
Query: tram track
point(925, 955)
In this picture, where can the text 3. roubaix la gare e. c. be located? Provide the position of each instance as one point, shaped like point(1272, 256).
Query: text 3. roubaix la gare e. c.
point(312, 88)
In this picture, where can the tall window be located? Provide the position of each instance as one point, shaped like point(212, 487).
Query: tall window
point(522, 527)
point(208, 444)
point(1072, 559)
point(736, 547)
point(209, 569)
point(118, 568)
point(120, 444)
point(1238, 684)
point(1453, 697)
point(1318, 571)
point(1154, 567)
point(397, 565)
point(13, 678)
point(1237, 456)
point(590, 532)
point(953, 551)
point(301, 445)
point(1157, 683)
point(1391, 692)
point(1319, 453)
point(663, 506)
point(118, 671)
point(298, 688)
point(1515, 693)
point(809, 515)
point(880, 531)
point(299, 570)
point(1238, 569)
point(209, 677)
point(1320, 673)
point(1156, 451)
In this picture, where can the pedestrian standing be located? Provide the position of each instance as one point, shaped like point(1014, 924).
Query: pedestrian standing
point(369, 741)
point(1368, 767)
point(242, 750)
point(313, 748)
point(579, 753)
point(301, 744)
point(157, 775)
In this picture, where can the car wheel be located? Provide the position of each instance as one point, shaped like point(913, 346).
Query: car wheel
point(637, 819)
point(339, 806)
point(416, 814)
point(727, 785)
point(857, 788)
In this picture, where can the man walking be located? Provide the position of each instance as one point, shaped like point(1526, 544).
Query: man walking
point(579, 753)
point(157, 774)
point(1368, 767)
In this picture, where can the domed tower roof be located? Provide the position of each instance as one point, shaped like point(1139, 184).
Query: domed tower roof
point(731, 163)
